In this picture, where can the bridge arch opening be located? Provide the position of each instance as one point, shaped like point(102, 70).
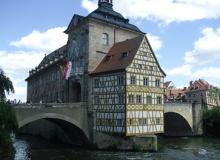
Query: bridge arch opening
point(55, 127)
point(176, 125)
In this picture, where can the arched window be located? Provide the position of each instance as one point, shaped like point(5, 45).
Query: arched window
point(105, 39)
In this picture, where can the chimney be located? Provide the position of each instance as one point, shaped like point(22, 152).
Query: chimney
point(190, 83)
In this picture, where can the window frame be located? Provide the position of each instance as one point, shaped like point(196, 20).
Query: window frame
point(157, 83)
point(150, 103)
point(158, 121)
point(120, 80)
point(121, 99)
point(138, 99)
point(105, 39)
point(159, 100)
point(133, 80)
point(131, 99)
point(146, 79)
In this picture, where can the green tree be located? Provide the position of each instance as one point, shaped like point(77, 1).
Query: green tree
point(211, 121)
point(214, 93)
point(6, 86)
point(8, 123)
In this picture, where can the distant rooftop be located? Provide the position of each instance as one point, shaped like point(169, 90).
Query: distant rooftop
point(200, 84)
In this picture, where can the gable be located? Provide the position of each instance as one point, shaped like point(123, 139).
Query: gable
point(145, 61)
point(74, 22)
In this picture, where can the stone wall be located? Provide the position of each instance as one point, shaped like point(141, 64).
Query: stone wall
point(197, 119)
point(113, 142)
point(78, 51)
point(116, 34)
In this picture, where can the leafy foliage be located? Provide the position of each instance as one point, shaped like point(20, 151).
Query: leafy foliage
point(212, 114)
point(7, 118)
point(211, 122)
point(7, 151)
point(6, 86)
point(215, 94)
point(8, 123)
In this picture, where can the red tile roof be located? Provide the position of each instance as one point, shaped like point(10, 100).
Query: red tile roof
point(199, 85)
point(116, 59)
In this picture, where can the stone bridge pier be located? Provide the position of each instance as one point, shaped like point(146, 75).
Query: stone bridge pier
point(68, 121)
point(182, 119)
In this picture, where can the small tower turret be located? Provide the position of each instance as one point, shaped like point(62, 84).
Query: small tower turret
point(105, 3)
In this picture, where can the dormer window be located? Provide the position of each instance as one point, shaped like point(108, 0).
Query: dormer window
point(105, 39)
point(124, 54)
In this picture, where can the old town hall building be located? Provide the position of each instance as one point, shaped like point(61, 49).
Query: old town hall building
point(114, 71)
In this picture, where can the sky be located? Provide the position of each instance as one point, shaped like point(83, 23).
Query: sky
point(184, 34)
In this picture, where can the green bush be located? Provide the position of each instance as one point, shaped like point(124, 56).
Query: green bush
point(7, 117)
point(6, 146)
point(211, 122)
point(212, 114)
point(8, 125)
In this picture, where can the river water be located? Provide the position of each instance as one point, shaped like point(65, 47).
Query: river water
point(30, 148)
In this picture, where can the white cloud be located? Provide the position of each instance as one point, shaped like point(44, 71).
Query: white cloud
point(43, 41)
point(14, 62)
point(209, 72)
point(198, 61)
point(165, 11)
point(20, 94)
point(184, 70)
point(16, 66)
point(89, 5)
point(206, 48)
point(155, 41)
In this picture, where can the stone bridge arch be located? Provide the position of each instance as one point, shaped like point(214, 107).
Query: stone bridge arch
point(67, 116)
point(178, 119)
point(176, 125)
point(40, 116)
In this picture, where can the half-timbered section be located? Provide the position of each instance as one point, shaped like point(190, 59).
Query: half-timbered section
point(109, 102)
point(144, 93)
point(128, 90)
